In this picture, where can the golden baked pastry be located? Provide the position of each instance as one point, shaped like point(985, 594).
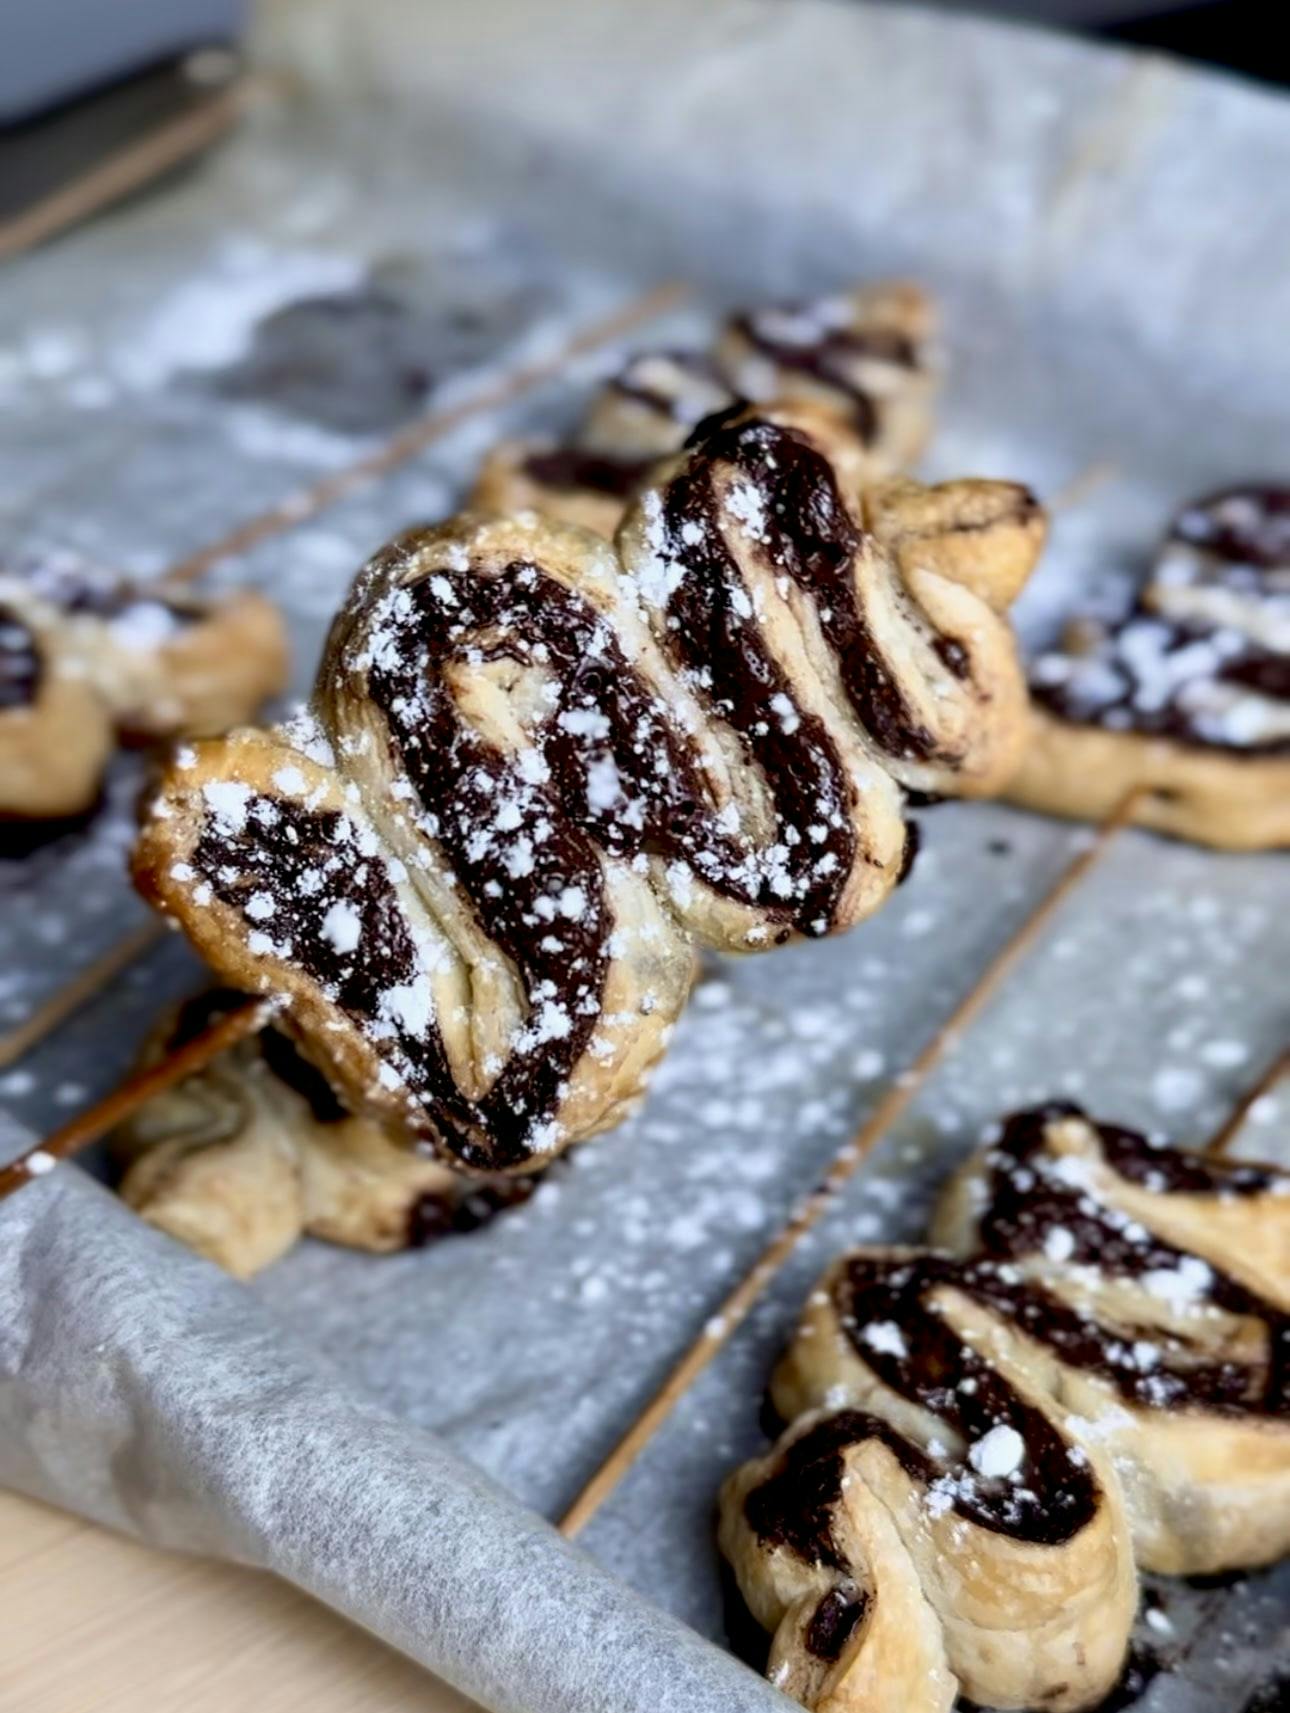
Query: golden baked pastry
point(254, 1151)
point(1188, 696)
point(538, 770)
point(87, 658)
point(866, 356)
point(1090, 1365)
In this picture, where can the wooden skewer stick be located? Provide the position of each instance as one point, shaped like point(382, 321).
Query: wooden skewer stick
point(308, 502)
point(130, 167)
point(1234, 1123)
point(51, 1013)
point(846, 1163)
point(293, 510)
point(133, 1093)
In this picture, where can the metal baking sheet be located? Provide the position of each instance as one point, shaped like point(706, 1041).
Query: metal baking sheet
point(1115, 293)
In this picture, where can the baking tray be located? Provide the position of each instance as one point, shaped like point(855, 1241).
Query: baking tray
point(1115, 297)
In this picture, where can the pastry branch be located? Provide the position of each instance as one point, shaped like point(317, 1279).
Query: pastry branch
point(538, 770)
point(1088, 1370)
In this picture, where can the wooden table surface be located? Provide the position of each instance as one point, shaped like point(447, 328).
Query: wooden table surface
point(91, 1623)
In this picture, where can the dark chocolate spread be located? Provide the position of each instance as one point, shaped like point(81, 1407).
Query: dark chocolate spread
point(1027, 1200)
point(834, 1621)
point(632, 382)
point(1166, 676)
point(569, 467)
point(827, 352)
point(1246, 526)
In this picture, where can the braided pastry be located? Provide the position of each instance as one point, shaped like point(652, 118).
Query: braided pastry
point(1188, 695)
point(86, 657)
point(1092, 1364)
point(864, 356)
point(539, 771)
point(249, 1154)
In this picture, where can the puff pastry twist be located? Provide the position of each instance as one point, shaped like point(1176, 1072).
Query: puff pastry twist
point(1093, 1365)
point(540, 770)
point(866, 355)
point(242, 1159)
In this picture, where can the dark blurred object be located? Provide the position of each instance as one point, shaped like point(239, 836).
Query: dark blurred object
point(68, 163)
point(1243, 35)
point(56, 49)
point(1247, 36)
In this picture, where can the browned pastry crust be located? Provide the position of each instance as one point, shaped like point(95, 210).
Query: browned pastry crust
point(1091, 1364)
point(86, 657)
point(1187, 699)
point(540, 769)
point(244, 1157)
point(865, 358)
point(55, 733)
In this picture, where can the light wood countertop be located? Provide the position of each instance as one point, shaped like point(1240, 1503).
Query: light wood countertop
point(91, 1623)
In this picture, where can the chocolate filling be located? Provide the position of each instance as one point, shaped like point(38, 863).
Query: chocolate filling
point(629, 385)
point(569, 467)
point(834, 1621)
point(79, 589)
point(1250, 526)
point(1107, 688)
point(808, 533)
point(830, 358)
point(21, 668)
point(1025, 1202)
point(1138, 677)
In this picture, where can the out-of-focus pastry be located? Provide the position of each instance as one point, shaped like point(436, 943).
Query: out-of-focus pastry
point(87, 659)
point(1188, 696)
point(254, 1151)
point(867, 356)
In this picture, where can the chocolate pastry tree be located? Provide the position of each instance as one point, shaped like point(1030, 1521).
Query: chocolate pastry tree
point(1090, 1368)
point(538, 770)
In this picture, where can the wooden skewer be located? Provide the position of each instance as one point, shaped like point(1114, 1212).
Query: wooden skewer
point(51, 1013)
point(129, 168)
point(293, 510)
point(846, 1163)
point(308, 502)
point(133, 1093)
point(1234, 1123)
